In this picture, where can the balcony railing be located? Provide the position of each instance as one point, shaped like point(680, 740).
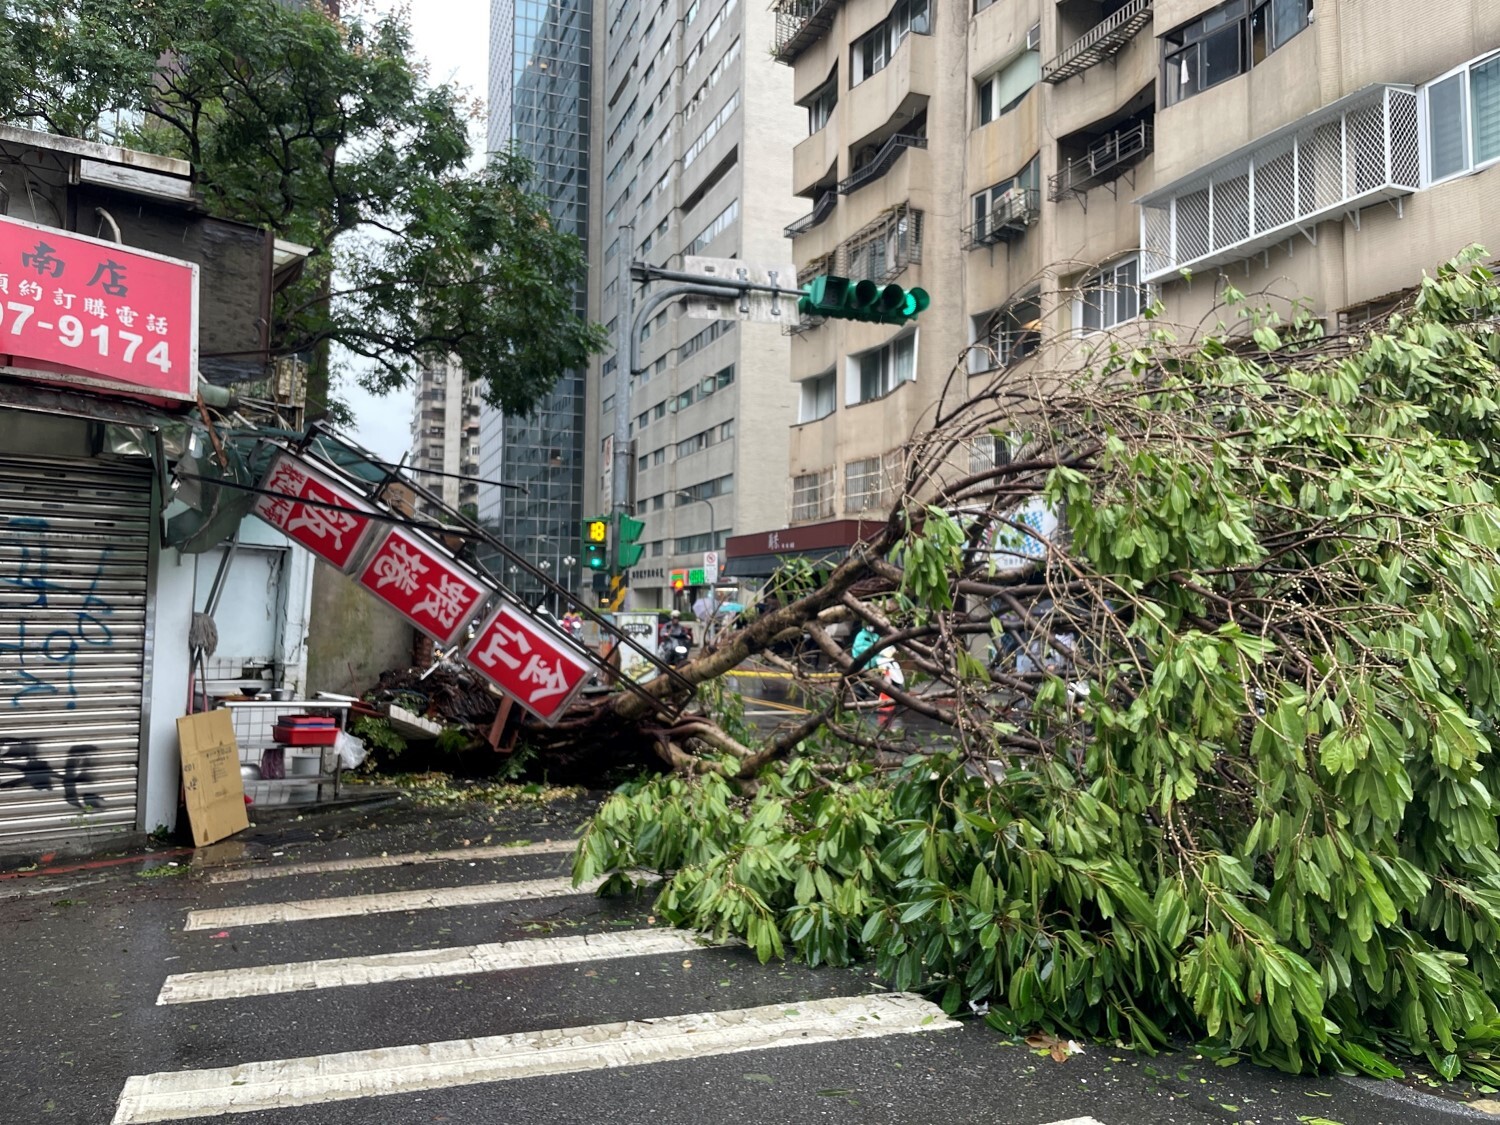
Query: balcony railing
point(800, 24)
point(1010, 218)
point(1360, 150)
point(821, 210)
point(1099, 42)
point(1106, 159)
point(881, 162)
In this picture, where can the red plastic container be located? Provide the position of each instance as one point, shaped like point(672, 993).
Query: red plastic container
point(304, 736)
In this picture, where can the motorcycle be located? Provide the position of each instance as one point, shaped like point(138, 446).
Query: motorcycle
point(674, 649)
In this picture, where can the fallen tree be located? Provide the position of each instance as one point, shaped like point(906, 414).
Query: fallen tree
point(1219, 756)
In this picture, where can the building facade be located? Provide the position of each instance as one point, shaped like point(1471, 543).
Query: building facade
point(1046, 169)
point(692, 146)
point(445, 436)
point(540, 80)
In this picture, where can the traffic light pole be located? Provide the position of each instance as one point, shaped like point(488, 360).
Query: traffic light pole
point(619, 491)
point(628, 349)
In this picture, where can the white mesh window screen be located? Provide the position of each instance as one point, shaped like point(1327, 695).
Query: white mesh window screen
point(1341, 160)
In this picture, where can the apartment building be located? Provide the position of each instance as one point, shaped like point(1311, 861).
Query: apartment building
point(445, 435)
point(692, 121)
point(1045, 168)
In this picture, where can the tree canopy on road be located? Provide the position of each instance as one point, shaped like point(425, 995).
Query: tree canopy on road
point(1221, 758)
point(329, 133)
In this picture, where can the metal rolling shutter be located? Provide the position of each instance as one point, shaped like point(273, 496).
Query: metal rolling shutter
point(74, 544)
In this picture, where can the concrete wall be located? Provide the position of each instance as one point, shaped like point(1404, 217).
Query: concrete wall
point(354, 636)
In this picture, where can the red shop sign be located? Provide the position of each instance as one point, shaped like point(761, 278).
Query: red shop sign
point(433, 592)
point(335, 533)
point(95, 312)
point(533, 664)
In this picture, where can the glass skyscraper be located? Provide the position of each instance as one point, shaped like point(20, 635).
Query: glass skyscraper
point(539, 100)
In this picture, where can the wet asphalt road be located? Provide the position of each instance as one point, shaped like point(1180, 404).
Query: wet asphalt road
point(88, 952)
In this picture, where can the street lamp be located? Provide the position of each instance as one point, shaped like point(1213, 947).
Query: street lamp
point(684, 494)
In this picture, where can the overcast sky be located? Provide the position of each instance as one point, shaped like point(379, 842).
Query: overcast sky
point(453, 35)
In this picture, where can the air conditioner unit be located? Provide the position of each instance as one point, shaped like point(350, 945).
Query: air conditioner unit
point(1011, 209)
point(1034, 38)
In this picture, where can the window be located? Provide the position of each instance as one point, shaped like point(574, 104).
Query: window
point(1002, 91)
point(612, 249)
point(1227, 42)
point(710, 130)
point(876, 373)
point(817, 398)
point(1110, 297)
point(874, 49)
point(863, 489)
point(820, 105)
point(1028, 178)
point(655, 324)
point(881, 250)
point(709, 437)
point(609, 365)
point(659, 457)
point(1463, 119)
point(697, 343)
point(1006, 335)
point(812, 495)
point(714, 229)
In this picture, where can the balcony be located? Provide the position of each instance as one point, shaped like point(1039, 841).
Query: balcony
point(821, 210)
point(1100, 42)
point(881, 163)
point(1360, 150)
point(1010, 218)
point(1106, 160)
point(800, 24)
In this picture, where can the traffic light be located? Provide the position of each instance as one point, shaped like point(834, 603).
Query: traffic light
point(627, 531)
point(679, 580)
point(596, 543)
point(844, 299)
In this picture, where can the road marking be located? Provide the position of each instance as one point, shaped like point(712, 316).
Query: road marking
point(1078, 1121)
point(497, 851)
point(282, 1083)
point(391, 902)
point(422, 964)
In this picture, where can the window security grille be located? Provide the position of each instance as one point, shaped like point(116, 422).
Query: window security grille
point(812, 496)
point(1345, 157)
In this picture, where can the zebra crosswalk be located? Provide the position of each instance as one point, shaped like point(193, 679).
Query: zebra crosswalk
point(405, 1067)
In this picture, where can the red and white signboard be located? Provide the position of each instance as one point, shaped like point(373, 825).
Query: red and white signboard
point(416, 576)
point(94, 312)
point(334, 534)
point(536, 666)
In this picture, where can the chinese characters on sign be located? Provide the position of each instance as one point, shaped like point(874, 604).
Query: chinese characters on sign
point(97, 311)
point(331, 533)
point(433, 592)
point(534, 665)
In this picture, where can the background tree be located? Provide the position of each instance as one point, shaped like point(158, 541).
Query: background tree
point(328, 133)
point(1219, 763)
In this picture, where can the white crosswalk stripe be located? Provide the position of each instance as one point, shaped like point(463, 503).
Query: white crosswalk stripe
point(421, 964)
point(389, 902)
point(279, 1083)
point(406, 859)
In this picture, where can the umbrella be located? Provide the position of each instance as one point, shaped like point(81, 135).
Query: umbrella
point(731, 607)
